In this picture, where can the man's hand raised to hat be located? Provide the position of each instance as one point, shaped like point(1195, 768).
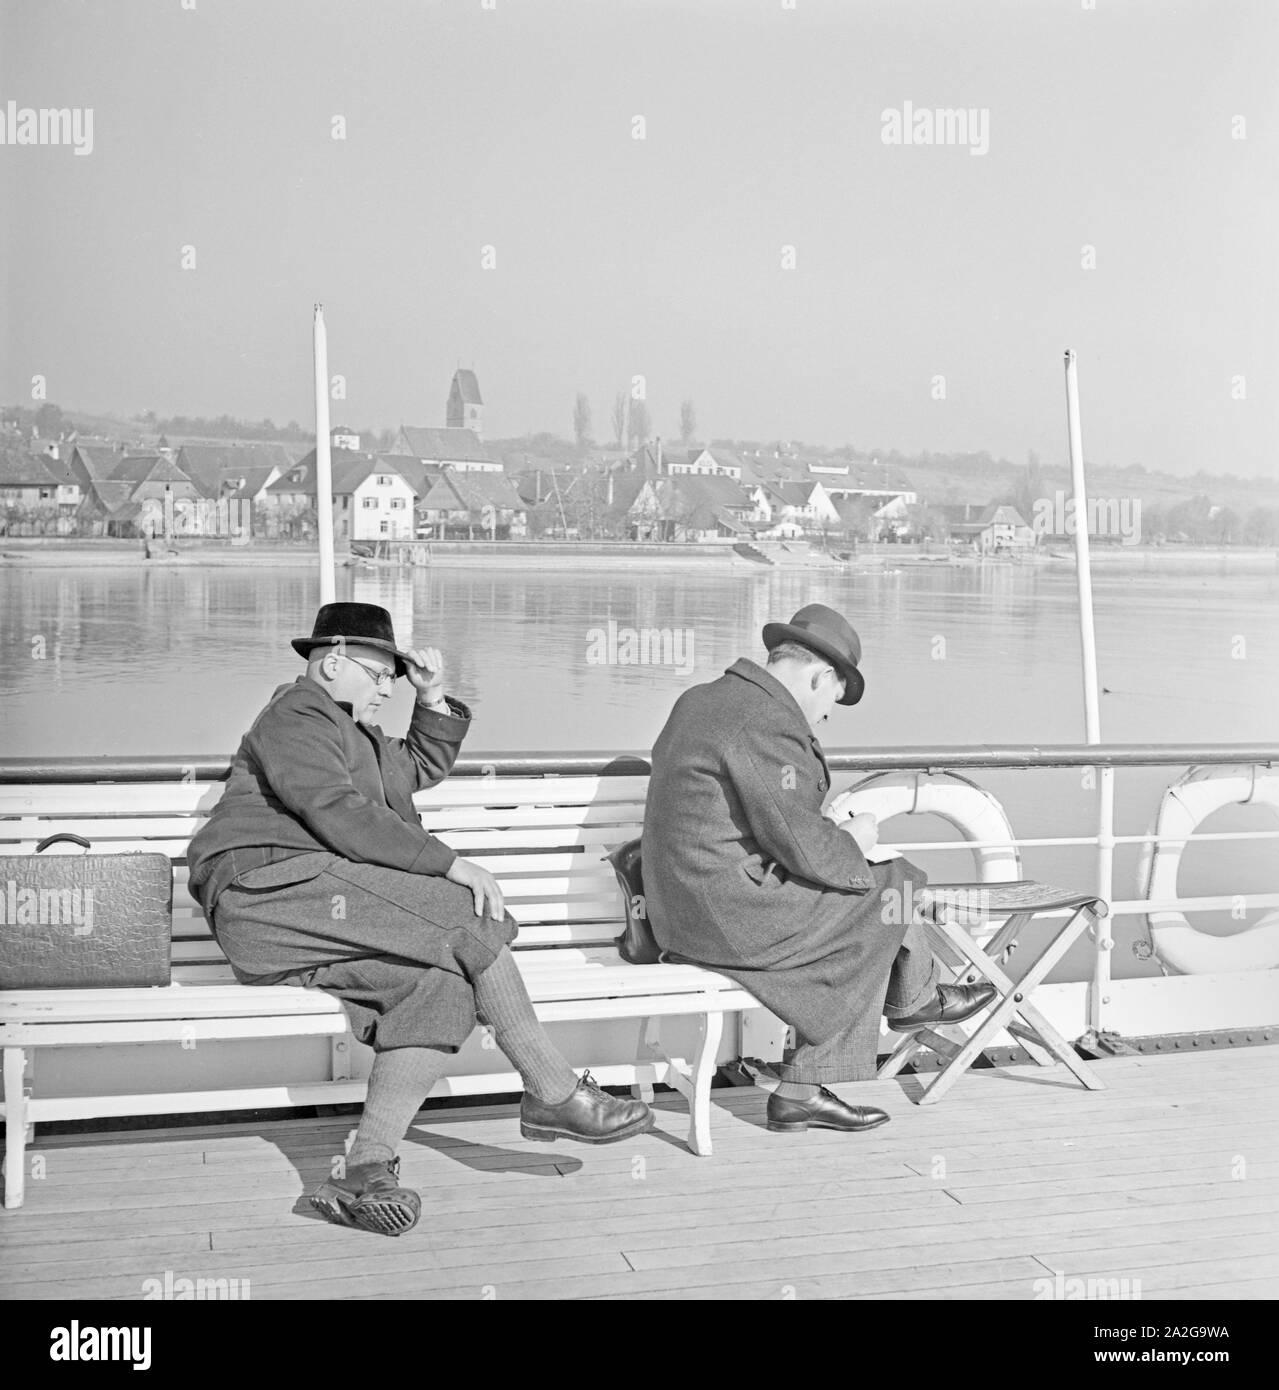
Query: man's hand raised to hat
point(483, 886)
point(426, 674)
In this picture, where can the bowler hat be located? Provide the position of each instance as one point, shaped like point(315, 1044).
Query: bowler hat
point(830, 635)
point(364, 624)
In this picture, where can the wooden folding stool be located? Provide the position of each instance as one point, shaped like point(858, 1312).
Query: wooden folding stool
point(946, 911)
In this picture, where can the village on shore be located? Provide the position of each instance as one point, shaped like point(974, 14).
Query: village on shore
point(445, 483)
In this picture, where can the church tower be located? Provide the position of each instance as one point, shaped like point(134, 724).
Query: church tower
point(465, 410)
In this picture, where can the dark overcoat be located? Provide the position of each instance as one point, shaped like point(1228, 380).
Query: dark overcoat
point(743, 873)
point(307, 777)
point(319, 809)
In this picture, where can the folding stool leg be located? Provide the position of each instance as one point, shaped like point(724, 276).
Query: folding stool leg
point(1038, 1032)
point(1015, 1000)
point(910, 1046)
point(996, 949)
point(904, 1053)
point(1000, 943)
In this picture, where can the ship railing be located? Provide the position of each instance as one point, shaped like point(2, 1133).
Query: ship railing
point(968, 759)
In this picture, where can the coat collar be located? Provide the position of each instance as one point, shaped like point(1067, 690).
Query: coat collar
point(770, 685)
point(315, 687)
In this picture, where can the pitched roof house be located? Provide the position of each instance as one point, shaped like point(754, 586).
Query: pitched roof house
point(36, 493)
point(806, 503)
point(371, 499)
point(996, 526)
point(691, 507)
point(220, 470)
point(719, 462)
point(450, 448)
point(468, 502)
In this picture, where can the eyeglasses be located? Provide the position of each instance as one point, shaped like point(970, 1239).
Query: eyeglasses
point(382, 678)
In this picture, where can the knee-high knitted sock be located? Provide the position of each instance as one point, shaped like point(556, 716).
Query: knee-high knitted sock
point(400, 1081)
point(503, 1003)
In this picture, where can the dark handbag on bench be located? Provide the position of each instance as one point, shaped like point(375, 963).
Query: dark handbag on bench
point(90, 921)
point(636, 945)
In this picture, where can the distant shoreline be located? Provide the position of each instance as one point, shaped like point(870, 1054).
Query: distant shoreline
point(81, 553)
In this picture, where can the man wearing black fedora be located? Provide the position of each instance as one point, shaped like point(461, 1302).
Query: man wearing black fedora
point(314, 869)
point(743, 874)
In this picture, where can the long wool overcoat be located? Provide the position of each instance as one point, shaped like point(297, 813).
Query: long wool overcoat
point(314, 799)
point(744, 874)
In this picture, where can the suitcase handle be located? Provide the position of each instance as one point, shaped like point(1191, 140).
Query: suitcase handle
point(62, 835)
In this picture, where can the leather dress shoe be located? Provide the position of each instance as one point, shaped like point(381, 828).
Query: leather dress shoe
point(951, 1004)
point(825, 1111)
point(589, 1114)
point(370, 1197)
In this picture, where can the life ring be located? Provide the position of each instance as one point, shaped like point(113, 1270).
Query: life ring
point(971, 809)
point(1181, 947)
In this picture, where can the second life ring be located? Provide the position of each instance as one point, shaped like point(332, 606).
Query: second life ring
point(1182, 948)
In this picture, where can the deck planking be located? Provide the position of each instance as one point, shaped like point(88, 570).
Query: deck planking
point(1169, 1176)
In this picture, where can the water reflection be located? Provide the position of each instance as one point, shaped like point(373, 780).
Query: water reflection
point(179, 660)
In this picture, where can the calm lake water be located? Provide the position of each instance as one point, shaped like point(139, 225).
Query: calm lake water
point(180, 660)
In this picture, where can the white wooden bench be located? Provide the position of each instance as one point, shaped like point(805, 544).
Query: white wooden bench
point(544, 838)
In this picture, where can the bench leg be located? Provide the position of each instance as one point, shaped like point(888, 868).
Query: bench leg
point(699, 1104)
point(17, 1130)
point(648, 1046)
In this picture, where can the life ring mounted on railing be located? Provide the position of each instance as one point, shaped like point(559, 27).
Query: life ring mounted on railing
point(972, 810)
point(1182, 948)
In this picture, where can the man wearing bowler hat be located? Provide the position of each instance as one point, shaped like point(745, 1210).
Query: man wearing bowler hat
point(743, 874)
point(314, 869)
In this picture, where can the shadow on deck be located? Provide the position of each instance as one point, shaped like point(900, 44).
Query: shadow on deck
point(1167, 1180)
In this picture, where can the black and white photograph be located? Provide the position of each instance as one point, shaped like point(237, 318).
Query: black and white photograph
point(638, 652)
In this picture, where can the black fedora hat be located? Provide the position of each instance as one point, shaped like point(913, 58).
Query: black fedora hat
point(830, 635)
point(364, 624)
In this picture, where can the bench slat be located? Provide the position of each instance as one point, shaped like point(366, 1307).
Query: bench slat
point(548, 975)
point(175, 798)
point(110, 798)
point(516, 818)
point(514, 791)
point(194, 932)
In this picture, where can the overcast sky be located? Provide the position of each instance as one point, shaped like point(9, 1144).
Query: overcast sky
point(513, 127)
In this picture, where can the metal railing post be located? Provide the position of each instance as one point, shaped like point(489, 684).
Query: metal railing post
point(1103, 932)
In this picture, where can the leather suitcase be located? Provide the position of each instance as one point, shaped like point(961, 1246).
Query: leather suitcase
point(90, 921)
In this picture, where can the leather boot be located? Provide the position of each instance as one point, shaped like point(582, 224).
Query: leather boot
point(370, 1197)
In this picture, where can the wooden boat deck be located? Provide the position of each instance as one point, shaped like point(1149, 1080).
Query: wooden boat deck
point(1169, 1177)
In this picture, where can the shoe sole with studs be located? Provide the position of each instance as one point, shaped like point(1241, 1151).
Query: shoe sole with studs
point(384, 1214)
